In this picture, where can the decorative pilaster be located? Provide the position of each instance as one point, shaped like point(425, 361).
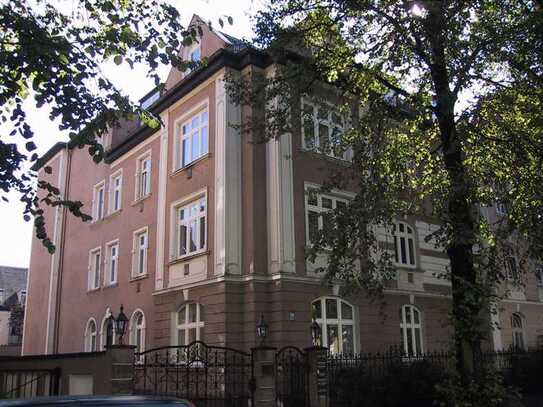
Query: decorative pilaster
point(161, 204)
point(227, 183)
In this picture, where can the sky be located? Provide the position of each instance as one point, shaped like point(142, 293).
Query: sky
point(16, 236)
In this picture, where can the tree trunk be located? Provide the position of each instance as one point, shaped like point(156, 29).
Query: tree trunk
point(466, 307)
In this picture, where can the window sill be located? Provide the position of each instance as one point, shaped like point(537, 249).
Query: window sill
point(188, 257)
point(407, 267)
point(137, 278)
point(314, 153)
point(141, 199)
point(111, 285)
point(190, 165)
point(93, 290)
point(114, 213)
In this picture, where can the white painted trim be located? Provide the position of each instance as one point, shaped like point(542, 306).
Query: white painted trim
point(161, 204)
point(174, 206)
point(101, 184)
point(55, 260)
point(196, 90)
point(131, 328)
point(86, 333)
point(102, 333)
point(186, 116)
point(147, 154)
point(91, 265)
point(227, 227)
point(106, 262)
point(280, 205)
point(111, 194)
point(135, 247)
point(135, 149)
point(48, 163)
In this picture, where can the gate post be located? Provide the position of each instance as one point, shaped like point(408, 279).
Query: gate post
point(122, 360)
point(264, 376)
point(317, 376)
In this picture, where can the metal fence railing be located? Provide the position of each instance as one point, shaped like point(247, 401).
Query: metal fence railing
point(29, 383)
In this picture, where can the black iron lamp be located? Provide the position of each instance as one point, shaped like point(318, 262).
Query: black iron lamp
point(121, 323)
point(315, 333)
point(262, 329)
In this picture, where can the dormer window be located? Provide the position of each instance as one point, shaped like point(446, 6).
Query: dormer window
point(195, 54)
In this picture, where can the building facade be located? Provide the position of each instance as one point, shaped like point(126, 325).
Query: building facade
point(198, 231)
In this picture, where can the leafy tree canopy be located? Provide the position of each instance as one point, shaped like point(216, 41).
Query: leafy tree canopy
point(443, 100)
point(53, 54)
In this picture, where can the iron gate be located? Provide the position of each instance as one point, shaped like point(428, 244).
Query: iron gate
point(210, 376)
point(291, 377)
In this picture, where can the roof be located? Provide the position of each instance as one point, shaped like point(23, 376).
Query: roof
point(12, 279)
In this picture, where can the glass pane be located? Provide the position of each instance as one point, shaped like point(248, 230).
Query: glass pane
point(403, 252)
point(195, 122)
point(182, 240)
point(312, 197)
point(331, 308)
point(313, 225)
point(341, 204)
point(408, 315)
point(195, 146)
point(192, 313)
point(409, 341)
point(181, 316)
point(181, 214)
point(347, 339)
point(185, 128)
point(202, 233)
point(193, 236)
point(201, 333)
point(418, 344)
point(326, 203)
point(411, 251)
point(202, 205)
point(324, 138)
point(401, 228)
point(309, 133)
point(396, 259)
point(409, 230)
point(203, 117)
point(186, 152)
point(204, 143)
point(317, 309)
point(333, 340)
point(192, 335)
point(346, 311)
point(416, 316)
point(181, 337)
point(323, 113)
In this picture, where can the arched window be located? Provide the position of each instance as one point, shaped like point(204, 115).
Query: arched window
point(107, 331)
point(90, 336)
point(404, 244)
point(336, 319)
point(517, 324)
point(137, 330)
point(189, 324)
point(411, 330)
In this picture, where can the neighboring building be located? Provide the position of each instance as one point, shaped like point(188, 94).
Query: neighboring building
point(198, 231)
point(12, 299)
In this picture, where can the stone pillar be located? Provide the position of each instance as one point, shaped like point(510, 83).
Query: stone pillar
point(121, 358)
point(317, 376)
point(264, 376)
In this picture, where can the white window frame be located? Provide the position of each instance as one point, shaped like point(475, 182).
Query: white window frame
point(91, 338)
point(179, 136)
point(518, 332)
point(319, 207)
point(143, 187)
point(416, 329)
point(186, 326)
point(137, 329)
point(103, 330)
point(94, 274)
point(539, 275)
point(194, 201)
point(511, 265)
point(112, 261)
point(324, 321)
point(99, 202)
point(192, 50)
point(329, 123)
point(397, 236)
point(116, 191)
point(137, 252)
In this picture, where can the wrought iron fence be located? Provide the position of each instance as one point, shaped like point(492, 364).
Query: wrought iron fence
point(396, 379)
point(29, 383)
point(208, 375)
point(291, 377)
